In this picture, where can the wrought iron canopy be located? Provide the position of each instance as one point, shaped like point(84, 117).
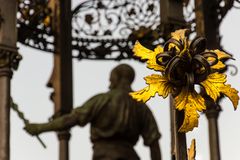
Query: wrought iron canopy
point(107, 29)
point(101, 29)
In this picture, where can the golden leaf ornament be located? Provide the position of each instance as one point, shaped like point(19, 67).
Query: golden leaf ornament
point(181, 65)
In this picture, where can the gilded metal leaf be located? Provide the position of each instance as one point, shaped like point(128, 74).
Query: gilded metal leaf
point(192, 150)
point(215, 85)
point(231, 93)
point(156, 84)
point(179, 34)
point(149, 55)
point(47, 21)
point(220, 65)
point(183, 64)
point(221, 56)
point(190, 118)
point(212, 84)
point(192, 103)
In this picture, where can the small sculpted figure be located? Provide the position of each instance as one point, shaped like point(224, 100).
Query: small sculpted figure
point(116, 120)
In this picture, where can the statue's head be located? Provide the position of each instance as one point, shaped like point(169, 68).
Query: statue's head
point(122, 76)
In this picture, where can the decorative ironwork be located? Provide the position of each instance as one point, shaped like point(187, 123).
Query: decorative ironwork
point(223, 7)
point(237, 4)
point(234, 69)
point(107, 18)
point(183, 64)
point(9, 57)
point(193, 65)
point(102, 29)
point(192, 150)
point(34, 24)
point(107, 29)
point(190, 17)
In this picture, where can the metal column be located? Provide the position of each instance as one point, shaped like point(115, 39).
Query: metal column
point(207, 25)
point(171, 12)
point(8, 59)
point(61, 79)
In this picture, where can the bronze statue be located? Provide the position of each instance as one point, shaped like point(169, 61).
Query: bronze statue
point(116, 120)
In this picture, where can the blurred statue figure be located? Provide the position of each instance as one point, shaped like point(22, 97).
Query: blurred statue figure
point(116, 120)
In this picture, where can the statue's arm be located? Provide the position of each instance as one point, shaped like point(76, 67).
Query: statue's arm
point(155, 151)
point(61, 123)
point(79, 116)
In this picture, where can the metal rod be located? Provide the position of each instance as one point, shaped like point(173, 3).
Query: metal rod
point(171, 12)
point(8, 38)
point(61, 79)
point(20, 114)
point(207, 25)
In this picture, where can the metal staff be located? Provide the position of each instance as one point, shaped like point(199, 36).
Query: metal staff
point(14, 106)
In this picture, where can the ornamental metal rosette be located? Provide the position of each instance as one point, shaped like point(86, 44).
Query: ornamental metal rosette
point(184, 64)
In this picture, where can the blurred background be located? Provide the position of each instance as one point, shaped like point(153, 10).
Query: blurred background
point(29, 91)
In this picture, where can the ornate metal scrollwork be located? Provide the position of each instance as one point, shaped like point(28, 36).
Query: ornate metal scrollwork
point(237, 4)
point(34, 24)
point(9, 57)
point(223, 7)
point(102, 29)
point(107, 29)
point(107, 18)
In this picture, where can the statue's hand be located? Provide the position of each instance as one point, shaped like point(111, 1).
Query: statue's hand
point(33, 129)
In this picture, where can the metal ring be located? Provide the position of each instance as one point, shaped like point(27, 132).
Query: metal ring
point(175, 42)
point(209, 54)
point(190, 80)
point(170, 71)
point(199, 77)
point(165, 56)
point(198, 45)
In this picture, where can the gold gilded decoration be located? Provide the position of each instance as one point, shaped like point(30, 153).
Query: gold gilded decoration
point(215, 85)
point(221, 56)
point(179, 34)
point(149, 55)
point(156, 84)
point(182, 65)
point(192, 150)
point(190, 102)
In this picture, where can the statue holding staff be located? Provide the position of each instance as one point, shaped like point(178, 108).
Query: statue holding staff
point(117, 120)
